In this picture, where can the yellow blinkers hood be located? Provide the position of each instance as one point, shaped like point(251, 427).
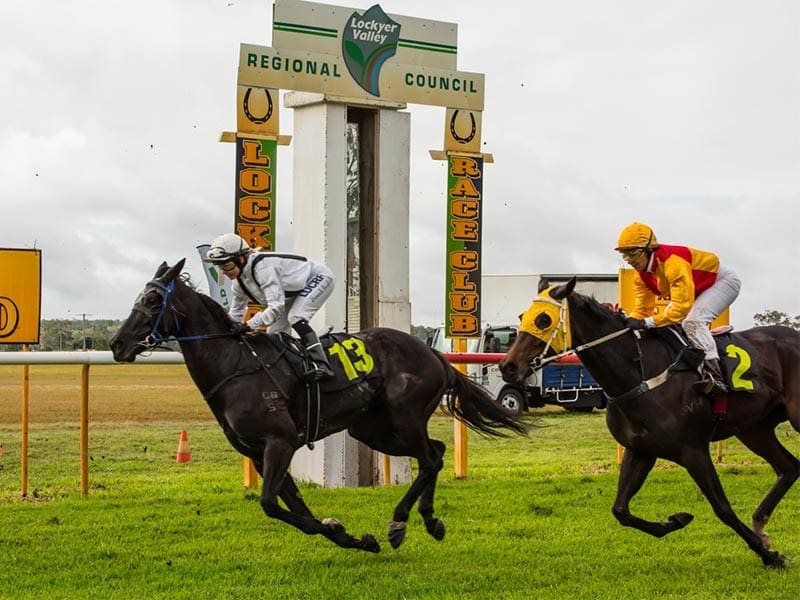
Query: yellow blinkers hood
point(554, 330)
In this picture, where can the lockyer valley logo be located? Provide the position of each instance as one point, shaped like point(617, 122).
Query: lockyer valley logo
point(368, 40)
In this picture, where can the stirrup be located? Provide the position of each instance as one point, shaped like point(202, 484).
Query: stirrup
point(710, 386)
point(316, 372)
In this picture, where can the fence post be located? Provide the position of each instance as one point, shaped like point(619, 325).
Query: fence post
point(84, 427)
point(459, 429)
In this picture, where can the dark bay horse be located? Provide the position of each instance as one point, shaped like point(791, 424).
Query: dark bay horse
point(654, 412)
point(393, 383)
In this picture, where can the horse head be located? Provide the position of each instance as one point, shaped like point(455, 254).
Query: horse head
point(152, 318)
point(544, 329)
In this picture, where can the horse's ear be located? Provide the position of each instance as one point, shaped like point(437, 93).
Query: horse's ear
point(543, 285)
point(160, 270)
point(562, 291)
point(174, 270)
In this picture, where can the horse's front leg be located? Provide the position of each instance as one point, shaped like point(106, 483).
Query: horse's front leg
point(634, 470)
point(701, 468)
point(277, 481)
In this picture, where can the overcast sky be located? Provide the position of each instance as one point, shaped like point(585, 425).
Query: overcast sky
point(682, 114)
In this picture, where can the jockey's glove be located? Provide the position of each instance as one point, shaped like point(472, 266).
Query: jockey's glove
point(239, 329)
point(635, 323)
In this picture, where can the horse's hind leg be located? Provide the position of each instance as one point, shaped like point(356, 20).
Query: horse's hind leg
point(423, 488)
point(701, 468)
point(764, 443)
point(278, 482)
point(633, 472)
point(434, 526)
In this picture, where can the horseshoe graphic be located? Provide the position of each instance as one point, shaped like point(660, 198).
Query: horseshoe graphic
point(246, 105)
point(456, 137)
point(9, 316)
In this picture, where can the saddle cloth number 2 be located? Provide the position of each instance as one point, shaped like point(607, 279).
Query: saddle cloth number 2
point(743, 363)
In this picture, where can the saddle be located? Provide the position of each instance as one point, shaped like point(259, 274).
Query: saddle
point(350, 361)
point(737, 356)
point(738, 360)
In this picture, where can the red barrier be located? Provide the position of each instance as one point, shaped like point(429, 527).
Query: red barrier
point(473, 358)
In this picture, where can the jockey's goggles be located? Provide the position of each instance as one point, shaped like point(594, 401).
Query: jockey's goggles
point(631, 253)
point(228, 266)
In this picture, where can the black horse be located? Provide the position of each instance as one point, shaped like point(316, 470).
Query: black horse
point(653, 410)
point(392, 385)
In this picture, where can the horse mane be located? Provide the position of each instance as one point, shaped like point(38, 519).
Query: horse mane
point(598, 309)
point(185, 280)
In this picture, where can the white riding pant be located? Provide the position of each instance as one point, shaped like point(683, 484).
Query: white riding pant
point(707, 307)
point(307, 302)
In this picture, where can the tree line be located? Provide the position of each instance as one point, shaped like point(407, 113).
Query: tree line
point(69, 335)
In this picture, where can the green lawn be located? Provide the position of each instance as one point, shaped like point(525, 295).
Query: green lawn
point(532, 519)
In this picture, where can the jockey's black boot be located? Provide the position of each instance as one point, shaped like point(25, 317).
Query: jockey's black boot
point(712, 383)
point(319, 367)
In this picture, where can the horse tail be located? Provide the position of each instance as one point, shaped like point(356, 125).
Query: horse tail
point(473, 405)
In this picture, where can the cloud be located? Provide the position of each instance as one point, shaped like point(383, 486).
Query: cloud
point(682, 115)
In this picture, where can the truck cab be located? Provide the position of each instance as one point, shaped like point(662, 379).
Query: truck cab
point(567, 384)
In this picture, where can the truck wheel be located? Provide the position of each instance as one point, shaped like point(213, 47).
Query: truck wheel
point(511, 400)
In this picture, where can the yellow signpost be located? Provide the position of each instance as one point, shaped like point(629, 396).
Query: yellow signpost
point(20, 295)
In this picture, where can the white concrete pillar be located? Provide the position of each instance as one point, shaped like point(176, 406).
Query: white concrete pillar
point(319, 231)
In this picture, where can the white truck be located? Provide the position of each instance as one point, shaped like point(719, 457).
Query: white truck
point(503, 299)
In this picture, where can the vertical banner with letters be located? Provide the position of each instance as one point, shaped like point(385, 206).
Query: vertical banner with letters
point(257, 135)
point(255, 191)
point(463, 269)
point(20, 296)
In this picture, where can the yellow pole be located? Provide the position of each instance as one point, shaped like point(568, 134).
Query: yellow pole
point(387, 469)
point(459, 429)
point(719, 451)
point(250, 473)
point(620, 450)
point(26, 377)
point(84, 427)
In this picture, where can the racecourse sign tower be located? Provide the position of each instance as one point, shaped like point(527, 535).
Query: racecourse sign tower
point(348, 75)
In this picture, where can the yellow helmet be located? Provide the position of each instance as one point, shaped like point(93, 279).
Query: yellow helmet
point(636, 235)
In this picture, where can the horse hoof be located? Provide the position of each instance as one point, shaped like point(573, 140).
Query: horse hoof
point(369, 543)
point(681, 519)
point(397, 533)
point(775, 560)
point(334, 525)
point(436, 528)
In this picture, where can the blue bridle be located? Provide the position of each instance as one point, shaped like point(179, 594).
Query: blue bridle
point(154, 339)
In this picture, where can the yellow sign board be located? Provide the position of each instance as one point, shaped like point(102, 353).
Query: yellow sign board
point(20, 296)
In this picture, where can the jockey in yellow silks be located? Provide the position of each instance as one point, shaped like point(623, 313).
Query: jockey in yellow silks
point(698, 289)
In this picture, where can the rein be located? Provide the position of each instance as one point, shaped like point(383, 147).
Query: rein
point(643, 387)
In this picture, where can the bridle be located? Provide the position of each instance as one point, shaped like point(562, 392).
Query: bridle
point(561, 327)
point(154, 339)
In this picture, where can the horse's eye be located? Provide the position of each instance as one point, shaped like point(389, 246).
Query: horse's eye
point(543, 321)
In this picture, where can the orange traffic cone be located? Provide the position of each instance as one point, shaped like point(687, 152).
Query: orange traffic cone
point(184, 454)
point(1, 448)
